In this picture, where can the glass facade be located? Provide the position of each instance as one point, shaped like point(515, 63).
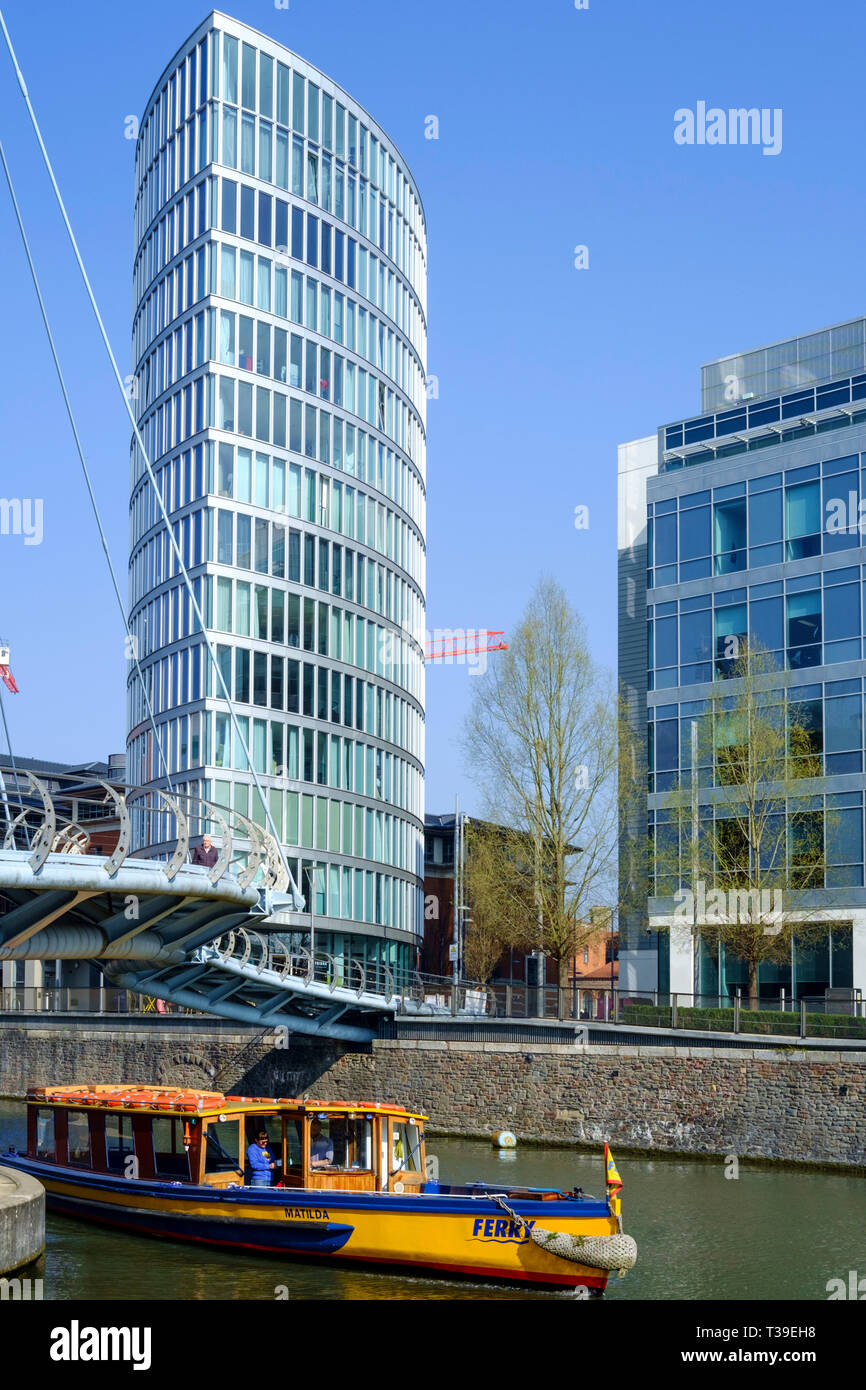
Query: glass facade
point(750, 526)
point(803, 361)
point(279, 342)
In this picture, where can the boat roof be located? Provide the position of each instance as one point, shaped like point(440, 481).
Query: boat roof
point(342, 1107)
point(185, 1101)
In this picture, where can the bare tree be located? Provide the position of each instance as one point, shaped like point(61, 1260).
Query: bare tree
point(542, 736)
point(763, 841)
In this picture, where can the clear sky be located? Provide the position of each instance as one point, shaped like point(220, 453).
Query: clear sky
point(556, 130)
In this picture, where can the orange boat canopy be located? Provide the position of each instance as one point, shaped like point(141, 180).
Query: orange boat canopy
point(135, 1096)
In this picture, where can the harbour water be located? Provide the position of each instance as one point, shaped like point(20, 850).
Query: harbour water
point(765, 1234)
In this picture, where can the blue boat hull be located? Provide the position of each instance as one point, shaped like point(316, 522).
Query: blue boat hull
point(298, 1239)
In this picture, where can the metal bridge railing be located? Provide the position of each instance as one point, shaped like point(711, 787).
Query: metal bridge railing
point(40, 816)
point(256, 953)
point(31, 999)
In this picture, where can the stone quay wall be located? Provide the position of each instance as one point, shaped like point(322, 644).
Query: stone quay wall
point(785, 1104)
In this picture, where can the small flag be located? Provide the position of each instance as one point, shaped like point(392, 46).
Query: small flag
point(611, 1176)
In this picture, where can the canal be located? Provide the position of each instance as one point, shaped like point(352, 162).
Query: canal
point(766, 1234)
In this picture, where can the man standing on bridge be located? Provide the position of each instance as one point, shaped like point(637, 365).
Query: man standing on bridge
point(205, 853)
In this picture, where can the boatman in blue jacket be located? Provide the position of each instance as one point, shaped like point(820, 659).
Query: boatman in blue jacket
point(261, 1161)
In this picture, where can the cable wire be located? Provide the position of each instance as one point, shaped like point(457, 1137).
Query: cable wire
point(78, 445)
point(147, 464)
point(15, 771)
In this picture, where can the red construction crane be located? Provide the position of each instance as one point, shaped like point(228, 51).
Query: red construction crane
point(474, 641)
point(6, 675)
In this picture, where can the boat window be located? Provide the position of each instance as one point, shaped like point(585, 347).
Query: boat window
point(45, 1149)
point(341, 1141)
point(222, 1146)
point(170, 1158)
point(119, 1145)
point(358, 1142)
point(273, 1128)
point(321, 1141)
point(406, 1153)
point(79, 1138)
point(294, 1147)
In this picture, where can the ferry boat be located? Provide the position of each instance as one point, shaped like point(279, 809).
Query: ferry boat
point(307, 1178)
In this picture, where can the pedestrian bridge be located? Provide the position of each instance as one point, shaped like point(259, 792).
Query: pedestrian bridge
point(172, 929)
point(252, 977)
point(62, 901)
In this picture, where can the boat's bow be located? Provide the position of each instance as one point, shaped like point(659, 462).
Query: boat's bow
point(616, 1251)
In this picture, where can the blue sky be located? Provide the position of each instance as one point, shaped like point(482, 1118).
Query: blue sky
point(555, 130)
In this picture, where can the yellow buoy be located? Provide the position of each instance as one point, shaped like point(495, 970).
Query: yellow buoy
point(504, 1139)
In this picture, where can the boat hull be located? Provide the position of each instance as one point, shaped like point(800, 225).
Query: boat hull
point(468, 1235)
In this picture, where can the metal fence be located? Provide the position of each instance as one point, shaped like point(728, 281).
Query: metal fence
point(836, 1014)
point(68, 1000)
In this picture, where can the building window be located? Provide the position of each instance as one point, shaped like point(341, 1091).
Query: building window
point(841, 621)
point(694, 549)
point(766, 625)
point(802, 520)
point(806, 737)
point(696, 645)
point(804, 629)
point(844, 733)
point(731, 637)
point(806, 849)
point(729, 535)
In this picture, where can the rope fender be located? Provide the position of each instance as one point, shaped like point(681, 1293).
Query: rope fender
point(617, 1252)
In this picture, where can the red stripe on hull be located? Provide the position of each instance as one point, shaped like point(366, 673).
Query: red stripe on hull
point(484, 1272)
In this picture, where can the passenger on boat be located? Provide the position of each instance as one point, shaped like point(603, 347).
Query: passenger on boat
point(261, 1161)
point(321, 1147)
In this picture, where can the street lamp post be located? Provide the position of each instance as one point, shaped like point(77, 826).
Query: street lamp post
point(310, 870)
point(610, 948)
point(455, 939)
point(460, 907)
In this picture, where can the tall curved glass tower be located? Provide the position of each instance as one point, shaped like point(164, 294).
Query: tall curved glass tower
point(279, 343)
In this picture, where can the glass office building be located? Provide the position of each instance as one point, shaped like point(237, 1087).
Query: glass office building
point(745, 523)
point(279, 343)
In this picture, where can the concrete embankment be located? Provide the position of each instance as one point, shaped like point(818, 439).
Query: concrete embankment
point(22, 1220)
point(785, 1104)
